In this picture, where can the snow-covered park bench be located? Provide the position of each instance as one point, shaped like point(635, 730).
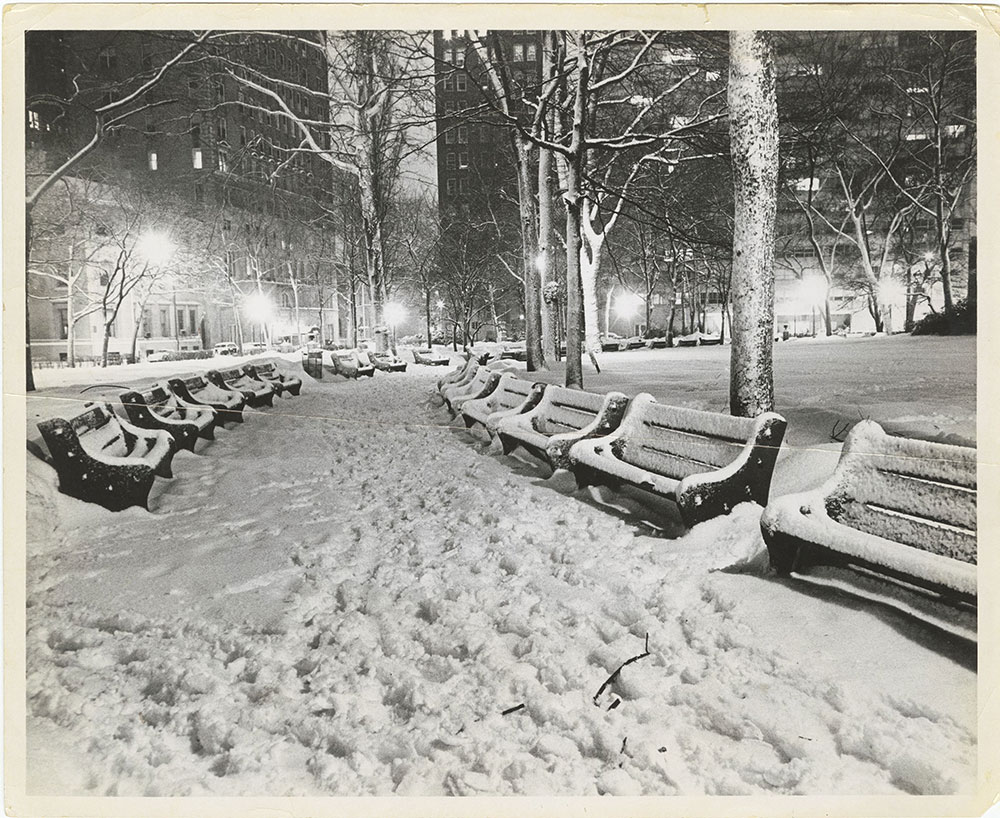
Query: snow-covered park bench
point(463, 372)
point(429, 357)
point(158, 408)
point(268, 373)
point(482, 383)
point(347, 363)
point(901, 508)
point(227, 403)
point(511, 396)
point(706, 462)
point(383, 361)
point(561, 418)
point(255, 392)
point(103, 459)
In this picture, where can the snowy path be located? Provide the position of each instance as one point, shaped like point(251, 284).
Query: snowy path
point(325, 603)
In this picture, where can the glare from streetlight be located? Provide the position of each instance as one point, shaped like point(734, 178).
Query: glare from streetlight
point(540, 262)
point(440, 305)
point(813, 290)
point(394, 313)
point(155, 247)
point(627, 304)
point(258, 307)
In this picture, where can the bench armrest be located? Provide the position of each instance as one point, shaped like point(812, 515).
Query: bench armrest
point(607, 426)
point(748, 477)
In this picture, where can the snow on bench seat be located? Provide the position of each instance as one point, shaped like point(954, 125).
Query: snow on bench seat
point(197, 390)
point(347, 363)
point(705, 461)
point(382, 361)
point(158, 408)
point(902, 508)
point(479, 386)
point(561, 418)
point(101, 458)
point(429, 357)
point(461, 374)
point(512, 396)
point(257, 393)
point(268, 373)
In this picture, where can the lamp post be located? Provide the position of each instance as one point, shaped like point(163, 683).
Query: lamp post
point(812, 291)
point(394, 313)
point(156, 249)
point(259, 309)
point(627, 305)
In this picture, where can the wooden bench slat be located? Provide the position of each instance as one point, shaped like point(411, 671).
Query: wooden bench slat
point(700, 460)
point(889, 500)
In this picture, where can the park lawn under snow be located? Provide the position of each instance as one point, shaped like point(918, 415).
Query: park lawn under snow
point(349, 595)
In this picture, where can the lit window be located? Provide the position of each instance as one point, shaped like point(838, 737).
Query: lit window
point(531, 52)
point(518, 53)
point(196, 159)
point(34, 121)
point(463, 160)
point(153, 164)
point(223, 161)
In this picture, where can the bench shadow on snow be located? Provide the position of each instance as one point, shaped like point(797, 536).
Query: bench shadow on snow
point(651, 515)
point(934, 625)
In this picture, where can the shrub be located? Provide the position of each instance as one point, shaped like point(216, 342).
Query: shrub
point(960, 321)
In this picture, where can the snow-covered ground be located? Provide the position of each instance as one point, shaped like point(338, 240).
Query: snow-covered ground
point(349, 595)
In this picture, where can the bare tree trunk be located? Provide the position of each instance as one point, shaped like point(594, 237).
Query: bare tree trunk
point(753, 124)
point(549, 341)
point(427, 311)
point(529, 241)
point(353, 336)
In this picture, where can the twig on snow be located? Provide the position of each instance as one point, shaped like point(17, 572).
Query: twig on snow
point(614, 676)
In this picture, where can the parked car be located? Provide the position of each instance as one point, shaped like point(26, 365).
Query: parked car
point(157, 356)
point(225, 348)
point(255, 348)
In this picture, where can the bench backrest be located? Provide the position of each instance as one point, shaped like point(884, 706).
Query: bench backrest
point(264, 369)
point(480, 380)
point(564, 410)
point(510, 393)
point(99, 432)
point(231, 374)
point(915, 492)
point(92, 419)
point(155, 396)
point(677, 442)
point(195, 382)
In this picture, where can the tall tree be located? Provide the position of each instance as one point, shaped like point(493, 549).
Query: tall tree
point(753, 124)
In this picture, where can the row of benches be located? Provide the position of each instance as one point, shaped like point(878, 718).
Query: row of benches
point(100, 457)
point(904, 509)
point(360, 363)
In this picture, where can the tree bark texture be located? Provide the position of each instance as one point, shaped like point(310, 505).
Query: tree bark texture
point(753, 129)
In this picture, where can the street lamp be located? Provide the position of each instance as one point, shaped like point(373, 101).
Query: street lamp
point(812, 291)
point(627, 305)
point(891, 292)
point(155, 247)
point(259, 309)
point(394, 313)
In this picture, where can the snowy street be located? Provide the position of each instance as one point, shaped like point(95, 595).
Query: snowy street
point(347, 594)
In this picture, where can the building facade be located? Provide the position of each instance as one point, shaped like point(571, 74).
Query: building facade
point(197, 219)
